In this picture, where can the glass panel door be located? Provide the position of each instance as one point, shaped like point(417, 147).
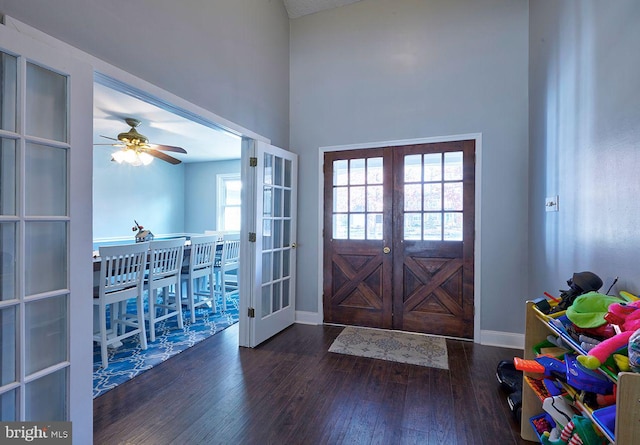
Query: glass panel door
point(273, 299)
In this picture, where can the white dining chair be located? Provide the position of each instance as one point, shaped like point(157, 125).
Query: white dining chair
point(229, 261)
point(163, 282)
point(198, 274)
point(122, 270)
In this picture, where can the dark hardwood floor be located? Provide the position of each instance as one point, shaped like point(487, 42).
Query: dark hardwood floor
point(290, 390)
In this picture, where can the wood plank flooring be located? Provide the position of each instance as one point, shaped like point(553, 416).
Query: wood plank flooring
point(290, 390)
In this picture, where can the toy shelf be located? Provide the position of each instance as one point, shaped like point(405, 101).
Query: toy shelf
point(627, 425)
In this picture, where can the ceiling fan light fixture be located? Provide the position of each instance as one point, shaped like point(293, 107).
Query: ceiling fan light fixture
point(132, 157)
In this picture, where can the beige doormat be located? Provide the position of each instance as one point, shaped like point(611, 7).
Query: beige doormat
point(403, 347)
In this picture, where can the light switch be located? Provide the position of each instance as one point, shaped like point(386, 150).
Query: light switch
point(551, 204)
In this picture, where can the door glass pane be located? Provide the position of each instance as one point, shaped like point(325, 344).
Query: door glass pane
point(8, 264)
point(412, 226)
point(7, 176)
point(453, 196)
point(341, 226)
point(46, 333)
point(266, 300)
point(276, 265)
point(340, 199)
point(277, 233)
point(46, 398)
point(46, 181)
point(357, 199)
point(453, 166)
point(433, 196)
point(412, 168)
point(433, 167)
point(285, 293)
point(374, 198)
point(277, 202)
point(286, 254)
point(374, 226)
point(374, 171)
point(267, 238)
point(8, 403)
point(341, 172)
point(276, 297)
point(356, 226)
point(8, 337)
point(277, 170)
point(286, 233)
point(8, 91)
point(267, 209)
point(432, 226)
point(46, 97)
point(287, 173)
point(268, 169)
point(412, 197)
point(453, 226)
point(287, 204)
point(357, 172)
point(266, 267)
point(45, 256)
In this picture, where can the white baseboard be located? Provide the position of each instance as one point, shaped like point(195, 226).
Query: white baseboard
point(502, 339)
point(314, 318)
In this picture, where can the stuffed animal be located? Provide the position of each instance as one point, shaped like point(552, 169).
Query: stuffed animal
point(579, 431)
point(627, 317)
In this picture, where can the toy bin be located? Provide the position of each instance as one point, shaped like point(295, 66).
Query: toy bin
point(606, 419)
point(541, 423)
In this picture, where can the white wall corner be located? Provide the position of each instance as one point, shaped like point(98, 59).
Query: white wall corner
point(502, 339)
point(314, 318)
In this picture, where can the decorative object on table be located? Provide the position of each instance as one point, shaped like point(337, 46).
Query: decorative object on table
point(136, 150)
point(143, 234)
point(395, 346)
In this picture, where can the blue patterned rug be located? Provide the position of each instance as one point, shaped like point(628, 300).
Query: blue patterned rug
point(130, 360)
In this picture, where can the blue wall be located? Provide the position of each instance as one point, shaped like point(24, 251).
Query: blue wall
point(162, 197)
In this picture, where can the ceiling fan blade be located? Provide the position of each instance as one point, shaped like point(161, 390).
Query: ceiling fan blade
point(107, 137)
point(168, 148)
point(163, 156)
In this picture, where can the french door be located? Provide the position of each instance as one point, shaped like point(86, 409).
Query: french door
point(399, 237)
point(45, 234)
point(272, 306)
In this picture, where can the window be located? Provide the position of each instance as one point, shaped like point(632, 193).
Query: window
point(229, 199)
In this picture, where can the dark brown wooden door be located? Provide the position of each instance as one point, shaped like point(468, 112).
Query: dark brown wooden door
point(399, 236)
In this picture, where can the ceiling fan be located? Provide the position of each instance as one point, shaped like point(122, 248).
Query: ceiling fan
point(136, 149)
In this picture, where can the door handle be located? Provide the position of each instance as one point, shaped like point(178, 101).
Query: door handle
point(386, 249)
point(293, 245)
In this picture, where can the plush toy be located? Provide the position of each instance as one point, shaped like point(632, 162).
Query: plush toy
point(627, 317)
point(579, 431)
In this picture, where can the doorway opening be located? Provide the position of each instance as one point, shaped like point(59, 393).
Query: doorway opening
point(399, 228)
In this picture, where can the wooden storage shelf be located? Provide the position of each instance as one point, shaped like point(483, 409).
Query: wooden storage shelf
point(627, 431)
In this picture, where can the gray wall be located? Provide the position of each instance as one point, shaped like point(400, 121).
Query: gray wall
point(230, 57)
point(201, 197)
point(585, 141)
point(380, 70)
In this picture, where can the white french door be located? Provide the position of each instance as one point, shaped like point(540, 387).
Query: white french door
point(45, 234)
point(272, 302)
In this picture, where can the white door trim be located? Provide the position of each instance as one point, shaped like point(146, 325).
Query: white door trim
point(477, 298)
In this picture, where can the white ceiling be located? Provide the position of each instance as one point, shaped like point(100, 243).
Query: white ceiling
point(202, 143)
point(298, 8)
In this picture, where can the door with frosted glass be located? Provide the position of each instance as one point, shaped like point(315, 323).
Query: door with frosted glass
point(399, 237)
point(36, 233)
point(273, 300)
